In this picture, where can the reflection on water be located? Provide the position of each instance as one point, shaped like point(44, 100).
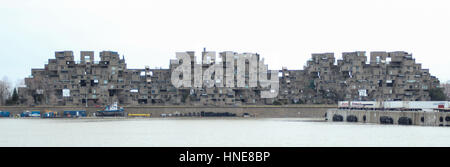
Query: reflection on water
point(193, 132)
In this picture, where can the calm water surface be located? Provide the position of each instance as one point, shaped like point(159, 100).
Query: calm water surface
point(223, 132)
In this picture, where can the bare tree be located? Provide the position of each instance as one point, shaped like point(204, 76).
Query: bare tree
point(446, 87)
point(5, 90)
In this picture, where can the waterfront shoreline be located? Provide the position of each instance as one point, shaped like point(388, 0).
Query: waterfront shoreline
point(170, 118)
point(294, 111)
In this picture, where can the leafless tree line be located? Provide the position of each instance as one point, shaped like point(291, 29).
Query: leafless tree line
point(446, 87)
point(6, 89)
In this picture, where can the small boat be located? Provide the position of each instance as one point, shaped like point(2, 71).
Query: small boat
point(111, 110)
point(139, 115)
point(49, 114)
point(35, 114)
point(74, 114)
point(25, 114)
point(5, 113)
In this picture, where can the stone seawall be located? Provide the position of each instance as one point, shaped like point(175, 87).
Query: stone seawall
point(304, 111)
point(390, 117)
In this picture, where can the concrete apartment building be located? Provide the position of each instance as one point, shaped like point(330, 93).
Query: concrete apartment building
point(65, 81)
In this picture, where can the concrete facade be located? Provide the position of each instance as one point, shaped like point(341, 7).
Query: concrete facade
point(446, 87)
point(389, 76)
point(64, 81)
point(416, 117)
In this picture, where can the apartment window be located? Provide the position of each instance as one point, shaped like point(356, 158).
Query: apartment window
point(87, 59)
point(82, 83)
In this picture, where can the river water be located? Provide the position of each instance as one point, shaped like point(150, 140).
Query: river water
point(212, 132)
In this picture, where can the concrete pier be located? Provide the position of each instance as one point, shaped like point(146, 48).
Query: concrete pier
point(390, 117)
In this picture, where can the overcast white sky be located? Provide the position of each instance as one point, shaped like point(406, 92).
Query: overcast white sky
point(284, 32)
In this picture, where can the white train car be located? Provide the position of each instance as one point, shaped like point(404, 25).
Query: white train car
point(393, 105)
point(372, 105)
point(427, 106)
point(365, 105)
point(344, 104)
point(414, 105)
